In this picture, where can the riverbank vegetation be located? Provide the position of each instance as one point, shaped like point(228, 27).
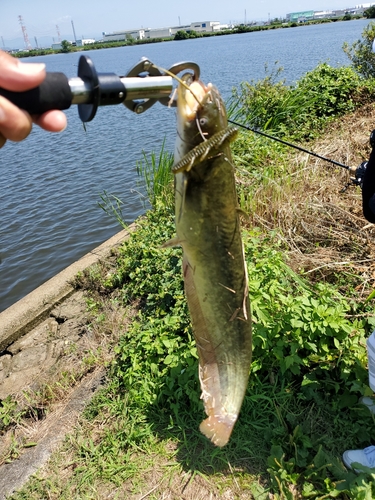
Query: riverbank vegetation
point(310, 257)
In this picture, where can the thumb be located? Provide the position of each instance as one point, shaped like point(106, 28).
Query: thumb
point(18, 76)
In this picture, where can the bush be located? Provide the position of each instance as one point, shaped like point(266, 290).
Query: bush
point(361, 54)
point(66, 46)
point(299, 111)
point(370, 12)
point(301, 332)
point(181, 35)
point(330, 90)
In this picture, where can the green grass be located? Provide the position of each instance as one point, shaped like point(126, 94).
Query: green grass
point(157, 178)
point(299, 111)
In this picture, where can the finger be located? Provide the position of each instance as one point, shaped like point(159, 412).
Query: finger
point(15, 123)
point(18, 76)
point(53, 121)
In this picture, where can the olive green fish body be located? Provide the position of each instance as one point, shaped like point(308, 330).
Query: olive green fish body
point(208, 229)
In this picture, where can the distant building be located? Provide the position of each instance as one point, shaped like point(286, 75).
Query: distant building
point(205, 26)
point(119, 36)
point(299, 17)
point(78, 43)
point(360, 9)
point(159, 32)
point(169, 32)
point(323, 14)
point(85, 41)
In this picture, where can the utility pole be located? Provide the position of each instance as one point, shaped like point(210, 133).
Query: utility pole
point(179, 21)
point(58, 34)
point(2, 39)
point(24, 32)
point(36, 42)
point(245, 17)
point(74, 32)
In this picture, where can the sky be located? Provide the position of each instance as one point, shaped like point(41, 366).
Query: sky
point(92, 17)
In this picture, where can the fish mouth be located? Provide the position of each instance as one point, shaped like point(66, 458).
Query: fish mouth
point(191, 96)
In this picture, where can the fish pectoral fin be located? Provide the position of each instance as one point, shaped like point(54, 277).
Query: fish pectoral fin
point(173, 242)
point(200, 152)
point(242, 213)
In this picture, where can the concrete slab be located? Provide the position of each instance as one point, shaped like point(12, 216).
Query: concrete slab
point(32, 309)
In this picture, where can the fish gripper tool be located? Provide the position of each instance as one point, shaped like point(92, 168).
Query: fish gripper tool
point(144, 85)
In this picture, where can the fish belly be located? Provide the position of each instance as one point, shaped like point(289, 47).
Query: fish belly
point(215, 277)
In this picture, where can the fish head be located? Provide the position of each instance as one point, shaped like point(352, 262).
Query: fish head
point(200, 113)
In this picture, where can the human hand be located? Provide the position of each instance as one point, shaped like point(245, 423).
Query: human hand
point(15, 123)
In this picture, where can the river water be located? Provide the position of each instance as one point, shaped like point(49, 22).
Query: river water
point(50, 184)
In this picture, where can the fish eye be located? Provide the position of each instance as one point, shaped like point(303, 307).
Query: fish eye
point(202, 122)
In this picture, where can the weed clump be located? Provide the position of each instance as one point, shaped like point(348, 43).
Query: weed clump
point(298, 112)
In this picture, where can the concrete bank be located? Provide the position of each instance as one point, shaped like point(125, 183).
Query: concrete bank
point(37, 336)
point(32, 309)
point(34, 330)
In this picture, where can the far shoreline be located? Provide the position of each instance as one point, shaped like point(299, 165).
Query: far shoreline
point(185, 36)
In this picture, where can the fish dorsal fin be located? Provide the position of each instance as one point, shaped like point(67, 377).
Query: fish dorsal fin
point(200, 152)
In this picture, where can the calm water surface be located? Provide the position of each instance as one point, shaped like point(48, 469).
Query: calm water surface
point(50, 185)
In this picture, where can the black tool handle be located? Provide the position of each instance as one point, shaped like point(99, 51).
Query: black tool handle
point(53, 93)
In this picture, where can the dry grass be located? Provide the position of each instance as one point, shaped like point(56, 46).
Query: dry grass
point(318, 217)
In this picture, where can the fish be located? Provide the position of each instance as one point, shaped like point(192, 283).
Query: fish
point(207, 218)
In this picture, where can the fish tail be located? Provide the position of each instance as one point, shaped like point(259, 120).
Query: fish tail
point(218, 428)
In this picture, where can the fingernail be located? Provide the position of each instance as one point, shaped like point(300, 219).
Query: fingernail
point(31, 68)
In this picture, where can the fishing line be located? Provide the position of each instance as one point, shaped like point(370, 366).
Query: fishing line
point(334, 162)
